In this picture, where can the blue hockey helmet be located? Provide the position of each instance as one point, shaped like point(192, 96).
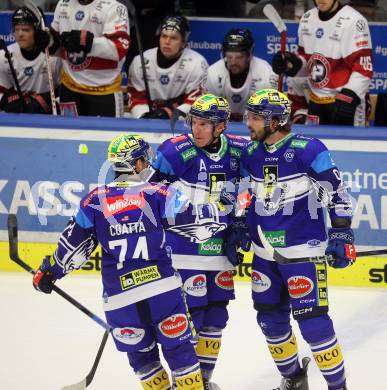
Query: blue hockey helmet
point(270, 104)
point(125, 150)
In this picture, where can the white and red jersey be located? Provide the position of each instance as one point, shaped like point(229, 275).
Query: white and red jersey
point(336, 53)
point(100, 73)
point(32, 75)
point(177, 86)
point(260, 76)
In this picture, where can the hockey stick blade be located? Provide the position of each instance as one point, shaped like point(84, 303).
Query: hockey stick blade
point(272, 14)
point(314, 259)
point(89, 377)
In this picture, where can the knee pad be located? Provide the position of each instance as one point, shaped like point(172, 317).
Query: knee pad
point(144, 357)
point(273, 319)
point(316, 329)
point(216, 315)
point(181, 356)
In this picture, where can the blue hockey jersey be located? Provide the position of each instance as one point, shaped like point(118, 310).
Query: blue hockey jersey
point(291, 182)
point(200, 176)
point(129, 220)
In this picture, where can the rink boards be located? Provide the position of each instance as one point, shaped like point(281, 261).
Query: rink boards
point(367, 272)
point(45, 170)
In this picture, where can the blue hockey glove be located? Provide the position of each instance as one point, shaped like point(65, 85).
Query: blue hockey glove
point(43, 279)
point(340, 247)
point(237, 236)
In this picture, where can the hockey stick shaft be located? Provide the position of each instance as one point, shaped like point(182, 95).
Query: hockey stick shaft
point(133, 13)
point(31, 5)
point(281, 259)
point(272, 14)
point(283, 48)
point(12, 68)
point(14, 255)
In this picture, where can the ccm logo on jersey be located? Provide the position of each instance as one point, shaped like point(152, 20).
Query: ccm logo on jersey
point(130, 336)
point(174, 326)
point(299, 286)
point(119, 204)
point(224, 280)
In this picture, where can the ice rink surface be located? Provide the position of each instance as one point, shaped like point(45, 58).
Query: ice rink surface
point(47, 343)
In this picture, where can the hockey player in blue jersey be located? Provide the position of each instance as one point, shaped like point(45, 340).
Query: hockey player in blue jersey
point(199, 164)
point(142, 295)
point(292, 177)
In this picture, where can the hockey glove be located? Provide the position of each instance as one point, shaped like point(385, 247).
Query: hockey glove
point(78, 44)
point(340, 247)
point(11, 102)
point(43, 279)
point(287, 63)
point(237, 236)
point(345, 107)
point(158, 113)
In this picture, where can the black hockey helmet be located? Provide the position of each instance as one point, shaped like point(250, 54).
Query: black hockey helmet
point(24, 15)
point(179, 24)
point(238, 39)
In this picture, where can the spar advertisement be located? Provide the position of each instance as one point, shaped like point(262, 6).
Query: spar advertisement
point(49, 164)
point(208, 41)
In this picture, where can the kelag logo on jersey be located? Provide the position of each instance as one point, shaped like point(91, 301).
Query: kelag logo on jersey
point(79, 15)
point(29, 71)
point(119, 204)
point(211, 247)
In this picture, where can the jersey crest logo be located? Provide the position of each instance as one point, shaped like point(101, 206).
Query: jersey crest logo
point(79, 15)
point(29, 71)
point(199, 232)
point(164, 79)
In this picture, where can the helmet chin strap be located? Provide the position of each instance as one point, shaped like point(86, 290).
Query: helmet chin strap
point(268, 131)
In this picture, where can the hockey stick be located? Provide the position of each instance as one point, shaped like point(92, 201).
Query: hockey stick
point(14, 255)
point(89, 377)
point(8, 56)
point(272, 14)
point(35, 10)
point(133, 13)
point(315, 259)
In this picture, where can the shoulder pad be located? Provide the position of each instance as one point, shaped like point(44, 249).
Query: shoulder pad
point(92, 195)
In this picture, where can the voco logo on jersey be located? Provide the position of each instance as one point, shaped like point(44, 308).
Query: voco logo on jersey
point(121, 203)
point(174, 326)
